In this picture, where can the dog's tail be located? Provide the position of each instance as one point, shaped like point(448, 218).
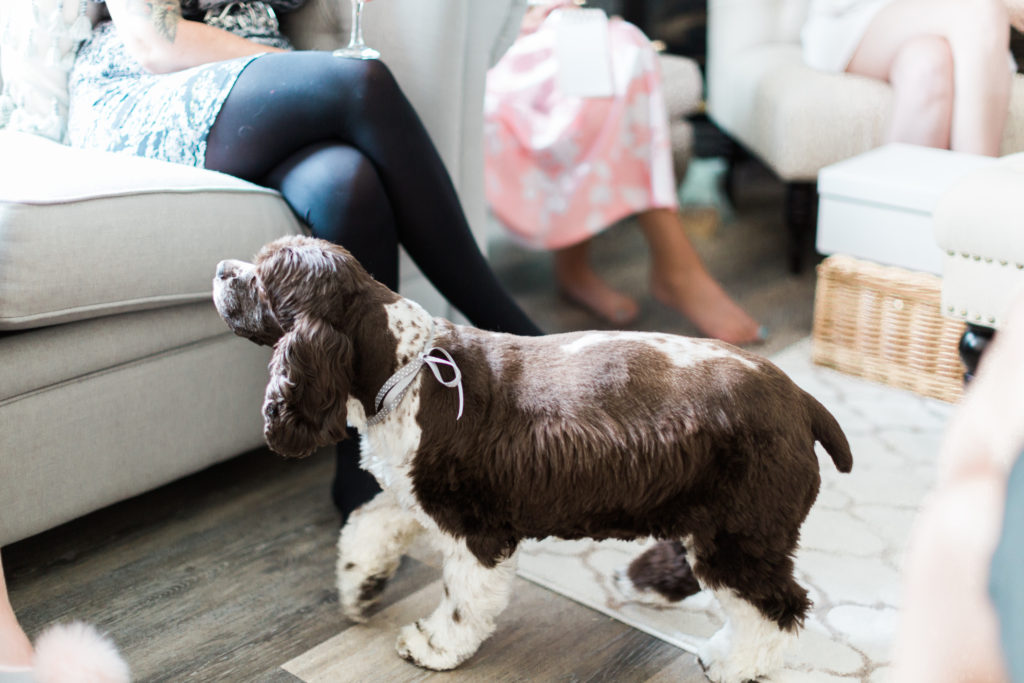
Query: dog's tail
point(827, 430)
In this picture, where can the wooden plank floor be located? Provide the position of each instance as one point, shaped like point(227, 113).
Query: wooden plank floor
point(228, 574)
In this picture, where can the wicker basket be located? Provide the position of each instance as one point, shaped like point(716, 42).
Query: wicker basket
point(883, 324)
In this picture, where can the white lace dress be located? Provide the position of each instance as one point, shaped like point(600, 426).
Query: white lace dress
point(117, 106)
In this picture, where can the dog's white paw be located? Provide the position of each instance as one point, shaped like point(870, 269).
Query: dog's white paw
point(358, 592)
point(416, 645)
point(722, 664)
point(713, 656)
point(719, 672)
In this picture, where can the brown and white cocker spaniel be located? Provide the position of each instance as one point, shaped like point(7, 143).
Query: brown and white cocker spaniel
point(484, 439)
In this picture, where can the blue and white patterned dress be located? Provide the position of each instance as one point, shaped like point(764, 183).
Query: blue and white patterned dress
point(117, 106)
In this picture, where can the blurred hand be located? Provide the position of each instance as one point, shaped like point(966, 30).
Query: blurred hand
point(948, 626)
point(987, 430)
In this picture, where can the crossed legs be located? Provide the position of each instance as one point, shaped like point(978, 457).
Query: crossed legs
point(948, 63)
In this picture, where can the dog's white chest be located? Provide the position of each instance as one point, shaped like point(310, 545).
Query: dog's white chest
point(386, 449)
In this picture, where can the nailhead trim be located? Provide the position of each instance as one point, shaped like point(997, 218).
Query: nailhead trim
point(987, 259)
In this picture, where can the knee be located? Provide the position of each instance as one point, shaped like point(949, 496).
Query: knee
point(348, 170)
point(329, 185)
point(369, 83)
point(923, 70)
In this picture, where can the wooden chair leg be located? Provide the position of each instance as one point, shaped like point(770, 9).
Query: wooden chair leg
point(801, 217)
point(972, 345)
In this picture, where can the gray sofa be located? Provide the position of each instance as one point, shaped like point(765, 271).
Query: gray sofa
point(116, 374)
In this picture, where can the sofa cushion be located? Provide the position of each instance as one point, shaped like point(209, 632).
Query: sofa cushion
point(86, 234)
point(48, 356)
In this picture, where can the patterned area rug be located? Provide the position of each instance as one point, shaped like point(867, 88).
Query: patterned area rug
point(851, 547)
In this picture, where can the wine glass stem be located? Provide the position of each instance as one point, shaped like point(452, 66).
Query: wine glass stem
point(356, 39)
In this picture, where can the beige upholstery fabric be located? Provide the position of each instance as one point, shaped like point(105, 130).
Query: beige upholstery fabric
point(796, 119)
point(90, 441)
point(52, 355)
point(977, 223)
point(154, 231)
point(683, 88)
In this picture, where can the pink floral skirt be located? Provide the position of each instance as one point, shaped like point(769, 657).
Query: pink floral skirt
point(560, 169)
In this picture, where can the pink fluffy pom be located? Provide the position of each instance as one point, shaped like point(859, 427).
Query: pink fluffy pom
point(77, 653)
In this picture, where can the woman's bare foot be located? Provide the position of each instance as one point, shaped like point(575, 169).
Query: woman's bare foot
point(680, 281)
point(579, 283)
point(696, 295)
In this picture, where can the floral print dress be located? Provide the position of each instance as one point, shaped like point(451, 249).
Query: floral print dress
point(559, 168)
point(117, 106)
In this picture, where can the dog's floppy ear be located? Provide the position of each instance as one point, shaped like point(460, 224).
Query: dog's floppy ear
point(310, 376)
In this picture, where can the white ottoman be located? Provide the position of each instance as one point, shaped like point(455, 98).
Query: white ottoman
point(878, 205)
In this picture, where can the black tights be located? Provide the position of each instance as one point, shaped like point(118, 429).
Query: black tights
point(349, 154)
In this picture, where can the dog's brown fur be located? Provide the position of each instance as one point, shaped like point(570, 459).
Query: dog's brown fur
point(623, 438)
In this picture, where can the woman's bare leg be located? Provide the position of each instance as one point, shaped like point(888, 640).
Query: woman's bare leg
point(15, 648)
point(922, 80)
point(680, 280)
point(977, 33)
point(579, 282)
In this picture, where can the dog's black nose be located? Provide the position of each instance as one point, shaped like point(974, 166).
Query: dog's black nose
point(222, 270)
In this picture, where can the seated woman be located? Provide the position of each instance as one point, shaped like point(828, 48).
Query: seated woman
point(214, 84)
point(561, 168)
point(947, 61)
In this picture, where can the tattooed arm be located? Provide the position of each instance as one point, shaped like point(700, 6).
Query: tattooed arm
point(162, 41)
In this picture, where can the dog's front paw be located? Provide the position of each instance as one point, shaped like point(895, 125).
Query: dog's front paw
point(358, 592)
point(722, 665)
point(713, 658)
point(415, 644)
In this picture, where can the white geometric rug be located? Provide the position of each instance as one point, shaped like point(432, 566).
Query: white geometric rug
point(852, 543)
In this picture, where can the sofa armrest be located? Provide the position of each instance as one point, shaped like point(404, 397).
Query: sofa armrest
point(439, 52)
point(976, 224)
point(734, 27)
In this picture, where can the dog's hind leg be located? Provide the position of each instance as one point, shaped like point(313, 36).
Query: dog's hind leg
point(370, 548)
point(749, 645)
point(661, 575)
point(764, 608)
point(474, 596)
